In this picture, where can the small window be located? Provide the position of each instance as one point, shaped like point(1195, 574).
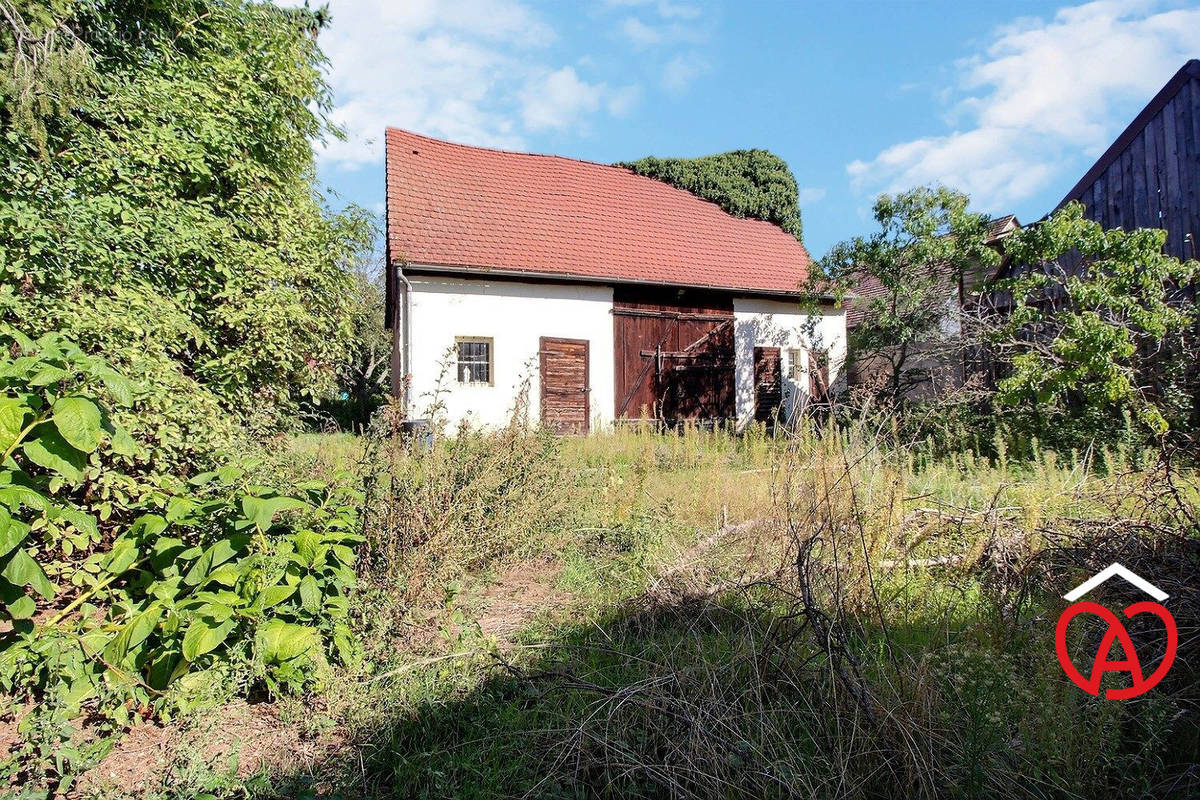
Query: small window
point(796, 365)
point(474, 360)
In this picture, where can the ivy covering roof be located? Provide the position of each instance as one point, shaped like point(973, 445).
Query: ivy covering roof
point(755, 184)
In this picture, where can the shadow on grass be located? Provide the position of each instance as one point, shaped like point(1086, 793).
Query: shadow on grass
point(703, 699)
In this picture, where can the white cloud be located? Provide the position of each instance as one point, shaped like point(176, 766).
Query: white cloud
point(681, 70)
point(807, 195)
point(1041, 90)
point(474, 71)
point(664, 8)
point(640, 33)
point(557, 99)
point(661, 22)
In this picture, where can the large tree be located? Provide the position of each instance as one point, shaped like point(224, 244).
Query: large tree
point(1099, 329)
point(157, 202)
point(904, 282)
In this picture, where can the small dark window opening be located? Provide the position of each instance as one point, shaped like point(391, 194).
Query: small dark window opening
point(818, 375)
point(474, 360)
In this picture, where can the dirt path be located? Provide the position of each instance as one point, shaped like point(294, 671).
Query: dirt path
point(518, 595)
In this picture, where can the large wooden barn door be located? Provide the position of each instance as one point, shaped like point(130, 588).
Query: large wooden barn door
point(674, 355)
point(564, 378)
point(768, 383)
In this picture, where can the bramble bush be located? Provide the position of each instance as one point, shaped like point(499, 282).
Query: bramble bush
point(130, 592)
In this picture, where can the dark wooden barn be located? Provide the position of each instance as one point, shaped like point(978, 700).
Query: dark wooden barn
point(1150, 176)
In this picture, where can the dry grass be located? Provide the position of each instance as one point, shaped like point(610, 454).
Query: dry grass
point(819, 614)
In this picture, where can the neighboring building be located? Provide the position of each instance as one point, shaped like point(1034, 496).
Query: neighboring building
point(610, 295)
point(944, 363)
point(1150, 176)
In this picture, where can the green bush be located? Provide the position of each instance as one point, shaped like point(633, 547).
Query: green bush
point(130, 592)
point(167, 215)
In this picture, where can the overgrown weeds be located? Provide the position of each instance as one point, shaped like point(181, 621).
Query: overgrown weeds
point(885, 631)
point(464, 504)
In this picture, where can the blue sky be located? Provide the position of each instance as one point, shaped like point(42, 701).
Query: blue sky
point(1008, 101)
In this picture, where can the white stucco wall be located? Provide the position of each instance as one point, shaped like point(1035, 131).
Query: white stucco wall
point(515, 316)
point(780, 323)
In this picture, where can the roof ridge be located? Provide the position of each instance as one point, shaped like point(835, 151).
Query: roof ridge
point(506, 151)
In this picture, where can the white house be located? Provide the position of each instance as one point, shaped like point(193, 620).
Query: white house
point(605, 294)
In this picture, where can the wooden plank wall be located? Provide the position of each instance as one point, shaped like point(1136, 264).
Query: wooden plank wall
point(1155, 181)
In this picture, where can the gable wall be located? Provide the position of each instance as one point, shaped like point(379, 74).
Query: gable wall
point(780, 323)
point(1154, 182)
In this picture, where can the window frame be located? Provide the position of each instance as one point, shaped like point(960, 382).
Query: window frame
point(491, 359)
point(797, 369)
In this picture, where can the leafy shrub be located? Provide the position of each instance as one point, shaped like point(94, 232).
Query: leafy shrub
point(134, 593)
point(176, 228)
point(746, 183)
point(1098, 332)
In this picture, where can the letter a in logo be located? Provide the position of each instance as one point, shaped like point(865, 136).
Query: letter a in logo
point(1139, 683)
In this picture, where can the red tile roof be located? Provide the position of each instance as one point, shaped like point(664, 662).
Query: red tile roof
point(451, 205)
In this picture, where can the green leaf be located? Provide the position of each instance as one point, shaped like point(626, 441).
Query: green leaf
point(50, 450)
point(22, 608)
point(12, 420)
point(134, 633)
point(310, 594)
point(16, 495)
point(80, 520)
point(274, 595)
point(124, 555)
point(22, 570)
point(308, 546)
point(49, 374)
point(220, 552)
point(280, 641)
point(79, 421)
point(122, 443)
point(205, 635)
point(262, 510)
point(118, 385)
point(343, 640)
point(12, 532)
point(202, 478)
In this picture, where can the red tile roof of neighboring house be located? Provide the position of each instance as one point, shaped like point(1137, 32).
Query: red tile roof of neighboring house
point(451, 205)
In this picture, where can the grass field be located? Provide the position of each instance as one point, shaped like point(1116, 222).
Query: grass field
point(703, 615)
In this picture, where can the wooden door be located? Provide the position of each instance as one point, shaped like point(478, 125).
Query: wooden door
point(674, 354)
point(564, 380)
point(818, 376)
point(768, 383)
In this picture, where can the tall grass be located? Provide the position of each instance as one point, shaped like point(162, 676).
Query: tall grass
point(881, 627)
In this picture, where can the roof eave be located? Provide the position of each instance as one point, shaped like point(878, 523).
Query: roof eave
point(564, 277)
